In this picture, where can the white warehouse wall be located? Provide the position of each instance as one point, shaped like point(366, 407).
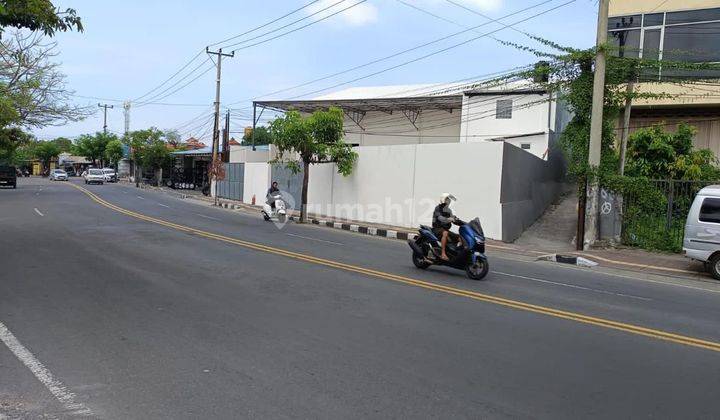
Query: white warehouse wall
point(400, 184)
point(380, 128)
point(256, 181)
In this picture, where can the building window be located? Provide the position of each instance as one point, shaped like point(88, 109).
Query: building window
point(525, 146)
point(503, 109)
point(685, 36)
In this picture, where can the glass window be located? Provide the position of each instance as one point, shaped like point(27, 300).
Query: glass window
point(651, 44)
point(503, 109)
point(624, 22)
point(694, 43)
point(626, 43)
point(655, 19)
point(710, 210)
point(692, 16)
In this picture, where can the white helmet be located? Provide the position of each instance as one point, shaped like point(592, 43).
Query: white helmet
point(447, 198)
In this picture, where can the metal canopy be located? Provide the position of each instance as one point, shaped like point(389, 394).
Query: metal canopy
point(419, 103)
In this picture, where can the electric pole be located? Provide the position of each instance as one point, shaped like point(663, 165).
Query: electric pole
point(105, 108)
point(126, 108)
point(216, 124)
point(596, 125)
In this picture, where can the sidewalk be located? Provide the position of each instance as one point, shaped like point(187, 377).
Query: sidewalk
point(630, 259)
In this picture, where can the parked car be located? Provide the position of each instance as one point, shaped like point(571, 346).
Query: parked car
point(94, 176)
point(110, 175)
point(702, 230)
point(58, 175)
point(8, 176)
point(70, 171)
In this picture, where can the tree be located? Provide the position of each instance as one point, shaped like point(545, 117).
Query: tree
point(64, 144)
point(37, 15)
point(114, 152)
point(148, 149)
point(303, 141)
point(32, 89)
point(92, 147)
point(656, 153)
point(45, 152)
point(262, 137)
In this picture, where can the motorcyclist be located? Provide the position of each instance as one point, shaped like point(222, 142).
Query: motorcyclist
point(271, 191)
point(443, 219)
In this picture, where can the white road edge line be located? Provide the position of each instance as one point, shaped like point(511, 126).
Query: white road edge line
point(38, 212)
point(207, 217)
point(161, 204)
point(57, 388)
point(573, 286)
point(314, 239)
point(142, 198)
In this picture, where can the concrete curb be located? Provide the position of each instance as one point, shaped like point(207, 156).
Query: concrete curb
point(568, 259)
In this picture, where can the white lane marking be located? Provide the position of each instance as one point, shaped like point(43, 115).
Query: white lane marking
point(161, 204)
point(207, 217)
point(124, 192)
point(314, 239)
point(57, 388)
point(142, 198)
point(38, 212)
point(573, 286)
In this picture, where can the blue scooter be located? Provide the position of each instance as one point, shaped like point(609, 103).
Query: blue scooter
point(470, 256)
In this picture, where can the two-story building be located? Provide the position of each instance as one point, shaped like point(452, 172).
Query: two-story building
point(673, 30)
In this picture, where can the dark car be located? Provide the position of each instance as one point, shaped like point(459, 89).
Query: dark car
point(8, 176)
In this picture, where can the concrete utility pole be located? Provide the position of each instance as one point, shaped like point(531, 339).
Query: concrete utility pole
point(596, 123)
point(126, 108)
point(216, 124)
point(105, 108)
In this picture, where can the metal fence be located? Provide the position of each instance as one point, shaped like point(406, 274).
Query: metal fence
point(654, 216)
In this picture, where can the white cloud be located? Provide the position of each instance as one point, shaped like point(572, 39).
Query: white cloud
point(362, 14)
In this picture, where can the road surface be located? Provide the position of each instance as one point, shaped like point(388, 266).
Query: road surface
point(124, 303)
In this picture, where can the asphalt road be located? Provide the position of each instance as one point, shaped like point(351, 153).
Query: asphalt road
point(164, 308)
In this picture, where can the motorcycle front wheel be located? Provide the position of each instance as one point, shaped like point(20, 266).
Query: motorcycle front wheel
point(478, 270)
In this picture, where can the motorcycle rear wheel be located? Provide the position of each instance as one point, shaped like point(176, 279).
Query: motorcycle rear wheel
point(419, 261)
point(478, 270)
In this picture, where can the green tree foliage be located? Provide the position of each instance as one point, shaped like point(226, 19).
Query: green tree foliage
point(114, 151)
point(262, 137)
point(64, 144)
point(656, 153)
point(92, 147)
point(45, 152)
point(303, 141)
point(149, 149)
point(37, 15)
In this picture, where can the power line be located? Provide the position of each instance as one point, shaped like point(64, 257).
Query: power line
point(393, 55)
point(265, 24)
point(289, 24)
point(467, 41)
point(161, 95)
point(169, 78)
point(300, 27)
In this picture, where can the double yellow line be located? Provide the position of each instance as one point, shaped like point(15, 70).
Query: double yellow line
point(572, 316)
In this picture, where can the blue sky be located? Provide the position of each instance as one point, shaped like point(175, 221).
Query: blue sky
point(132, 46)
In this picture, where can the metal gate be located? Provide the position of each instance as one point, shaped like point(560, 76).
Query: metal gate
point(232, 186)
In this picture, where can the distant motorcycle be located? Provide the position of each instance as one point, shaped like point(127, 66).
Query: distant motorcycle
point(279, 210)
point(470, 256)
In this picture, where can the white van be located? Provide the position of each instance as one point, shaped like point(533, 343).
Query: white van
point(702, 229)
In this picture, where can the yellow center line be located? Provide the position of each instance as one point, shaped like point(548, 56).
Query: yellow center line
point(544, 310)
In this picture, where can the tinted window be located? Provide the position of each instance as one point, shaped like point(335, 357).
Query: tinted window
point(692, 16)
point(624, 22)
point(654, 19)
point(710, 210)
point(694, 43)
point(95, 172)
point(503, 109)
point(627, 43)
